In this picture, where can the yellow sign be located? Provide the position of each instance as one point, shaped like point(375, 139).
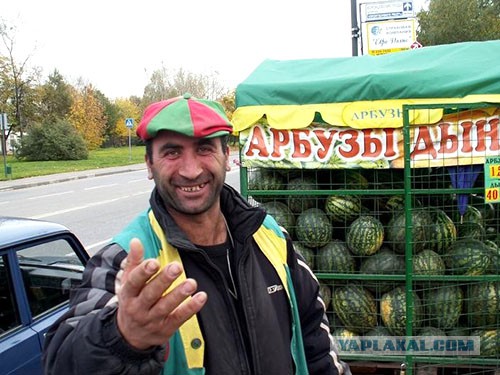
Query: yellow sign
point(492, 179)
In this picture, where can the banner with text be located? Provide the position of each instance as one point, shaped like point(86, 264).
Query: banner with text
point(459, 139)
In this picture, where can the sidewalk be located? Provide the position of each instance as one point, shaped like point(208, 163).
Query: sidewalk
point(22, 183)
point(61, 177)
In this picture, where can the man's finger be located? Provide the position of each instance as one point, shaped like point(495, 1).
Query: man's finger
point(184, 311)
point(136, 254)
point(159, 283)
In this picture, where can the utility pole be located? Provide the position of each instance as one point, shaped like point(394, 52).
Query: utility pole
point(354, 27)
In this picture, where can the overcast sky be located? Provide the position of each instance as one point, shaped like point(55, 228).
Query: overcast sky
point(117, 44)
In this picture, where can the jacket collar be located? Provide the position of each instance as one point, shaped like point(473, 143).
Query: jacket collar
point(242, 218)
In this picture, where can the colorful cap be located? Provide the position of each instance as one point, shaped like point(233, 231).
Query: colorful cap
point(193, 117)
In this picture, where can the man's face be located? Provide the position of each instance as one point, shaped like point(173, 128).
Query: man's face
point(188, 172)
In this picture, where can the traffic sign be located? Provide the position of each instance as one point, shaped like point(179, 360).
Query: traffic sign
point(129, 123)
point(415, 45)
point(385, 10)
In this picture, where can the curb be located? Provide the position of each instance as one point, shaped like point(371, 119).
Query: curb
point(64, 177)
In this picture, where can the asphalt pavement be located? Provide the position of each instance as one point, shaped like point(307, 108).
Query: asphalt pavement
point(68, 176)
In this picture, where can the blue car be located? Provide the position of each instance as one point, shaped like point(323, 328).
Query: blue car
point(40, 262)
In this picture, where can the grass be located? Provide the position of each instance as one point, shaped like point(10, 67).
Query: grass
point(102, 158)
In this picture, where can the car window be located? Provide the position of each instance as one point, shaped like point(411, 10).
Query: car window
point(9, 315)
point(50, 270)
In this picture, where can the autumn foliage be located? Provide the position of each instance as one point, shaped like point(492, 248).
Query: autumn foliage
point(87, 116)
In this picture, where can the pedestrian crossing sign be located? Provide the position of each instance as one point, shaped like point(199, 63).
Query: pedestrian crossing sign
point(129, 123)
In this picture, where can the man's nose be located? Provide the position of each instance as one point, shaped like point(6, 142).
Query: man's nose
point(190, 166)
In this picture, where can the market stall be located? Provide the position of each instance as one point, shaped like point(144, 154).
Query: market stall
point(386, 171)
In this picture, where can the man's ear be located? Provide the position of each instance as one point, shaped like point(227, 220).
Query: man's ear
point(148, 166)
point(228, 152)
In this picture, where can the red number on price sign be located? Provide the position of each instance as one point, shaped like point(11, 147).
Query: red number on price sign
point(492, 194)
point(495, 171)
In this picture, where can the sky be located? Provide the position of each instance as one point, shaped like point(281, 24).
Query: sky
point(116, 44)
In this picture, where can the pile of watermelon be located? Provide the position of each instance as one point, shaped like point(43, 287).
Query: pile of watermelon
point(340, 227)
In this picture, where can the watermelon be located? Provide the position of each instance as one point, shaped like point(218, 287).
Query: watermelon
point(335, 257)
point(396, 231)
point(441, 233)
point(444, 305)
point(468, 257)
point(489, 340)
point(325, 293)
point(393, 311)
point(378, 331)
point(355, 307)
point(471, 230)
point(354, 180)
point(343, 208)
point(307, 253)
point(395, 203)
point(471, 215)
point(301, 202)
point(459, 330)
point(342, 332)
point(365, 235)
point(313, 228)
point(483, 304)
point(431, 331)
point(348, 179)
point(428, 262)
point(384, 262)
point(282, 214)
point(495, 257)
point(265, 179)
point(487, 209)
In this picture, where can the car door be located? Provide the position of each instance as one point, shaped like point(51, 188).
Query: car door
point(19, 344)
point(42, 273)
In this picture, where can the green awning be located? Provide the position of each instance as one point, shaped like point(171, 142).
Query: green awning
point(368, 91)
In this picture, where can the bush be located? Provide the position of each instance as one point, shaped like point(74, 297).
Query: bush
point(58, 141)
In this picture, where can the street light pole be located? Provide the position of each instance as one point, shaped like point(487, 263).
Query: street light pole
point(354, 27)
point(3, 126)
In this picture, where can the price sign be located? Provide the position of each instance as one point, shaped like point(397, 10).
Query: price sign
point(492, 180)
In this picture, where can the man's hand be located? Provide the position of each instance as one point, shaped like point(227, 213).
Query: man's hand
point(145, 317)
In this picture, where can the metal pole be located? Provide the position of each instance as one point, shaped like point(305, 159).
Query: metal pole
point(3, 123)
point(354, 27)
point(129, 145)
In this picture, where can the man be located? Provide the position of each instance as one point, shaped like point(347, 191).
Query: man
point(138, 311)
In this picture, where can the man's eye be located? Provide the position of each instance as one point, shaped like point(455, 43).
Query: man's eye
point(170, 153)
point(205, 149)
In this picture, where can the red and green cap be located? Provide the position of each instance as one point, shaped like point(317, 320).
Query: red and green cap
point(193, 117)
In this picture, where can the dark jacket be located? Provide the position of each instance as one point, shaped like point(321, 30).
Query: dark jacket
point(251, 337)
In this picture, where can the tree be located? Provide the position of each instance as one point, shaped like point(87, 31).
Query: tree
point(165, 84)
point(453, 21)
point(18, 82)
point(126, 108)
point(87, 116)
point(112, 114)
point(55, 98)
point(52, 141)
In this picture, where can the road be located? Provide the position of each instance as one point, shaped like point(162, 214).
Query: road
point(94, 208)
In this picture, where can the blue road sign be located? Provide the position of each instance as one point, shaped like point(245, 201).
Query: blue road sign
point(129, 123)
point(408, 6)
